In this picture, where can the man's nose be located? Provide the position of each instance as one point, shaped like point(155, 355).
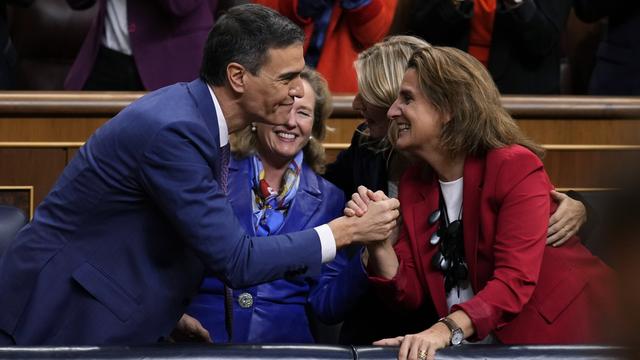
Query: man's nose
point(296, 89)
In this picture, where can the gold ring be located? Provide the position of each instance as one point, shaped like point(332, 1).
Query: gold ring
point(422, 354)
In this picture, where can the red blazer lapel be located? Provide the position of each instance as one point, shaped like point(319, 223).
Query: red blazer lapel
point(416, 215)
point(473, 176)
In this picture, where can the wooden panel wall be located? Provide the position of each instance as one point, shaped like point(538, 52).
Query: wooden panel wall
point(585, 137)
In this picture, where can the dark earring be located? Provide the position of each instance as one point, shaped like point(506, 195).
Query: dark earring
point(435, 216)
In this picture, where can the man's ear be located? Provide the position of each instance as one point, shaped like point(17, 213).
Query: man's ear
point(235, 76)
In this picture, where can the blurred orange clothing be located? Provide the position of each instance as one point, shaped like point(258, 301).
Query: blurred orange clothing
point(484, 12)
point(348, 33)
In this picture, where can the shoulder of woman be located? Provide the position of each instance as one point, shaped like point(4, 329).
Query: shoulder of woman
point(516, 155)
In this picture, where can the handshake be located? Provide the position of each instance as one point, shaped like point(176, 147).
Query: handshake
point(370, 217)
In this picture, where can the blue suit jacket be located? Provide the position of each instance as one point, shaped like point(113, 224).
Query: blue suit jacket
point(278, 313)
point(120, 244)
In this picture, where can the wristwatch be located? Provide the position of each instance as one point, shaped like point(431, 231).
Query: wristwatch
point(457, 335)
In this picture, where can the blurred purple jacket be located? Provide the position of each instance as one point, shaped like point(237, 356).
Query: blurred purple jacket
point(167, 39)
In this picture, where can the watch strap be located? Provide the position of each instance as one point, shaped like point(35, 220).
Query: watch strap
point(452, 326)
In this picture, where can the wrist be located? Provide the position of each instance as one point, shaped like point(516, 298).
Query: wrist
point(342, 229)
point(456, 335)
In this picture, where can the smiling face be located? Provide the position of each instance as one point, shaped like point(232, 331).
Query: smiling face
point(418, 123)
point(374, 116)
point(269, 95)
point(279, 144)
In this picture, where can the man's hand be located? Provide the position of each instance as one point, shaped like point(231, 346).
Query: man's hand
point(566, 220)
point(189, 329)
point(376, 224)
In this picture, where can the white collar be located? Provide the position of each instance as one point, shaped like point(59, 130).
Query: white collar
point(223, 131)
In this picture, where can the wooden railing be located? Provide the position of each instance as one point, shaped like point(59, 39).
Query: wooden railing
point(584, 136)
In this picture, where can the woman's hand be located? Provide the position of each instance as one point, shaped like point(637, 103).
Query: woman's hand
point(420, 346)
point(566, 220)
point(189, 329)
point(359, 202)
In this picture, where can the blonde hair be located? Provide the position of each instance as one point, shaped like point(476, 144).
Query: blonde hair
point(459, 86)
point(243, 143)
point(379, 71)
point(380, 68)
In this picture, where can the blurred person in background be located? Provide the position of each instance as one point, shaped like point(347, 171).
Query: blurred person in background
point(8, 56)
point(141, 44)
point(617, 69)
point(518, 41)
point(336, 31)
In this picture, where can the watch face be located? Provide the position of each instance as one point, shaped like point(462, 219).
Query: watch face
point(457, 337)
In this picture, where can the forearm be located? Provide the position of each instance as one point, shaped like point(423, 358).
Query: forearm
point(382, 261)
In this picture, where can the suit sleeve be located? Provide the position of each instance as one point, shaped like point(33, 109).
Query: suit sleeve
point(522, 198)
point(342, 281)
point(181, 182)
point(536, 25)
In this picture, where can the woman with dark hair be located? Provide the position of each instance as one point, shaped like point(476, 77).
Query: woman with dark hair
point(476, 207)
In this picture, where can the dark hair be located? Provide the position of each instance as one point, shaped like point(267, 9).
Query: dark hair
point(244, 35)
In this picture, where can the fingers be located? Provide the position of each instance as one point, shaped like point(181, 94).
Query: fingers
point(364, 194)
point(561, 236)
point(431, 353)
point(555, 230)
point(190, 329)
point(396, 341)
point(360, 202)
point(349, 212)
point(357, 209)
point(377, 196)
point(558, 196)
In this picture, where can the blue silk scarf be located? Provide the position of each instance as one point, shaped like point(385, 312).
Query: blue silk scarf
point(270, 207)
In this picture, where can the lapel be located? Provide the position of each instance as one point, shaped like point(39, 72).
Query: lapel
point(307, 201)
point(200, 93)
point(240, 192)
point(473, 177)
point(416, 216)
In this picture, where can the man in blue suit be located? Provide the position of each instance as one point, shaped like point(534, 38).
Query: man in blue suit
point(121, 242)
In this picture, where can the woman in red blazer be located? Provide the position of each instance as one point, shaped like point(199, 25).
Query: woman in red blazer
point(475, 210)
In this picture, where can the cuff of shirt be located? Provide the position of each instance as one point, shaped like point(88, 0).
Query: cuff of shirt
point(327, 242)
